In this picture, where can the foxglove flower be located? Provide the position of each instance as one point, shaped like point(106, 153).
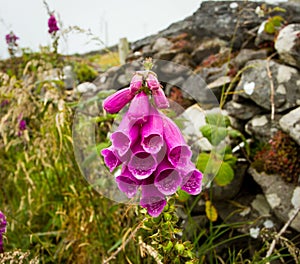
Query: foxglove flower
point(160, 99)
point(152, 199)
point(52, 24)
point(167, 178)
point(149, 146)
point(110, 158)
point(191, 179)
point(142, 164)
point(139, 108)
point(22, 125)
point(11, 39)
point(152, 81)
point(152, 132)
point(115, 102)
point(136, 82)
point(3, 224)
point(126, 134)
point(179, 152)
point(127, 183)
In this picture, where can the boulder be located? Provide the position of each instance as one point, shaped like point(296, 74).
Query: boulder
point(244, 111)
point(288, 44)
point(262, 128)
point(282, 197)
point(290, 123)
point(255, 85)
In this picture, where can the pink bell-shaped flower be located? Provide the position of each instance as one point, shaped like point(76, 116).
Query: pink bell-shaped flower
point(115, 102)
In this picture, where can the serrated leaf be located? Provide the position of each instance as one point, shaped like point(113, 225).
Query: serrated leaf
point(225, 174)
point(211, 211)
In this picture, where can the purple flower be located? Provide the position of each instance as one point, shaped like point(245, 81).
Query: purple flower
point(167, 178)
point(11, 39)
point(192, 179)
point(136, 82)
point(160, 99)
point(152, 199)
point(179, 152)
point(149, 146)
point(126, 134)
point(139, 108)
point(152, 132)
point(52, 24)
point(115, 102)
point(127, 183)
point(141, 164)
point(22, 125)
point(4, 103)
point(110, 158)
point(3, 224)
point(152, 81)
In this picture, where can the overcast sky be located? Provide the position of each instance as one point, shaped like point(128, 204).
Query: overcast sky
point(107, 19)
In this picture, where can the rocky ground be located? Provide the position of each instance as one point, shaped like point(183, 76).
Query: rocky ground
point(251, 52)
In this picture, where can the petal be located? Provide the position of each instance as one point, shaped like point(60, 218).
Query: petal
point(136, 82)
point(141, 164)
point(193, 184)
point(115, 102)
point(167, 178)
point(110, 158)
point(160, 99)
point(125, 136)
point(168, 181)
point(139, 108)
point(179, 152)
point(152, 81)
point(127, 183)
point(152, 132)
point(153, 200)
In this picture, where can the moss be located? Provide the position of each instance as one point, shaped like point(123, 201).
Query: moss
point(281, 156)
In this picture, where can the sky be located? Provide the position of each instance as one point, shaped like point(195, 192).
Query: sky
point(107, 20)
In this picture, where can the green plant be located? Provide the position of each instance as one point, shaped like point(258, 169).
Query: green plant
point(220, 161)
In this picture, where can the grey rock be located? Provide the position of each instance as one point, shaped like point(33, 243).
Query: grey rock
point(288, 44)
point(262, 127)
point(290, 123)
point(195, 88)
point(162, 44)
point(246, 55)
point(256, 85)
point(226, 16)
point(243, 111)
point(206, 48)
point(279, 195)
point(86, 87)
point(193, 119)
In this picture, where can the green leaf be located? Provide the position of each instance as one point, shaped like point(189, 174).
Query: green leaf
point(230, 159)
point(214, 134)
point(277, 20)
point(225, 174)
point(217, 119)
point(269, 27)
